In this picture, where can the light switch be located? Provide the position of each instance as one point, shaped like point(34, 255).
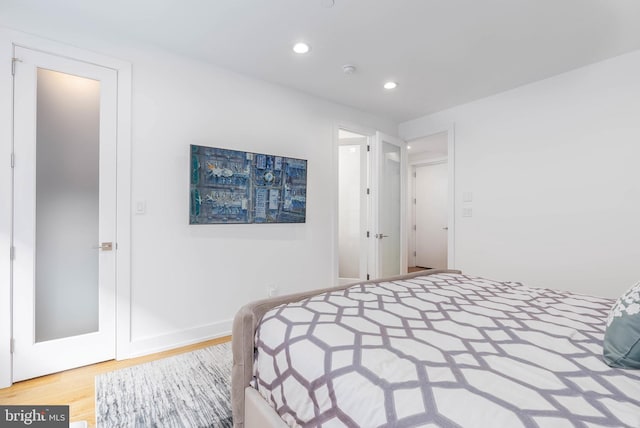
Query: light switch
point(467, 196)
point(141, 207)
point(467, 212)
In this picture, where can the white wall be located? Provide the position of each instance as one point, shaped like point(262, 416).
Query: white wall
point(188, 281)
point(553, 167)
point(428, 148)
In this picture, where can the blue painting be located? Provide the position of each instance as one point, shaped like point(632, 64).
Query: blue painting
point(234, 187)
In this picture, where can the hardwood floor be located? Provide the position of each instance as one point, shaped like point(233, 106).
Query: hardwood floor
point(76, 387)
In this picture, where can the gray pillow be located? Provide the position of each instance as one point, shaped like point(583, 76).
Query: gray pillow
point(622, 338)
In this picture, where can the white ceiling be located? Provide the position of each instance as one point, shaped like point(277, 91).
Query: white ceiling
point(441, 52)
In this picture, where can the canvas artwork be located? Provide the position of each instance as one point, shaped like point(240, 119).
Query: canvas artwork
point(231, 187)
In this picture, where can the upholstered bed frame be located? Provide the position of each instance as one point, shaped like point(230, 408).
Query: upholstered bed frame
point(249, 408)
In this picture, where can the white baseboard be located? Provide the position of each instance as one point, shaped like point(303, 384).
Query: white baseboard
point(177, 339)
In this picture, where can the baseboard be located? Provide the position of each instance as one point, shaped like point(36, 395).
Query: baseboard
point(177, 339)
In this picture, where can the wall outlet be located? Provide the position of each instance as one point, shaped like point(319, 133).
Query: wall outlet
point(272, 291)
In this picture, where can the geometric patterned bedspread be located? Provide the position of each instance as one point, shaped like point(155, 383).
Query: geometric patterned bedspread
point(444, 350)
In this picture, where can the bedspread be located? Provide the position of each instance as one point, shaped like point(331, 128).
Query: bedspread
point(443, 350)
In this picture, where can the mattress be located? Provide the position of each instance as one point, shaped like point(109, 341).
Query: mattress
point(443, 350)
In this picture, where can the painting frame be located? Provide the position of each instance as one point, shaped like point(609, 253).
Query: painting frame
point(229, 186)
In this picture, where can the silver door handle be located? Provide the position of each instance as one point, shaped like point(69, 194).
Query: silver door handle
point(446, 228)
point(380, 236)
point(105, 246)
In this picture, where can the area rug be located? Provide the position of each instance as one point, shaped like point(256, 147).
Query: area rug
point(186, 390)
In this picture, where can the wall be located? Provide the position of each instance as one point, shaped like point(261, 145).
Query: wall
point(187, 282)
point(553, 171)
point(428, 148)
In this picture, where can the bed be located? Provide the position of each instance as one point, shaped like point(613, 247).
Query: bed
point(430, 349)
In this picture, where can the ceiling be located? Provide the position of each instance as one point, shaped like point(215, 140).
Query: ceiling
point(441, 52)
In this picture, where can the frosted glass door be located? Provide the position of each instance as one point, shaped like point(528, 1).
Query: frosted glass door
point(389, 206)
point(389, 185)
point(64, 210)
point(67, 188)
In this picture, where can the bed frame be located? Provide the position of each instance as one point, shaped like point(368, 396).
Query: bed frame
point(249, 408)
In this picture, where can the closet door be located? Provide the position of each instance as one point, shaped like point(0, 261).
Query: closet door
point(65, 115)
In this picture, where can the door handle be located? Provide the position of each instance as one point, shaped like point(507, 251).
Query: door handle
point(380, 236)
point(105, 246)
point(445, 228)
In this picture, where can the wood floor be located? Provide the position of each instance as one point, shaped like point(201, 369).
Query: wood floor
point(76, 387)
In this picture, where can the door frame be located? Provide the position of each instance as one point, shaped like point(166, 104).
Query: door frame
point(451, 197)
point(365, 206)
point(372, 136)
point(369, 133)
point(8, 40)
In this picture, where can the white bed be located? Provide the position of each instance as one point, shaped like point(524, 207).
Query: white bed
point(437, 349)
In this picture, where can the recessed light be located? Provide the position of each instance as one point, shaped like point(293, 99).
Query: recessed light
point(301, 48)
point(408, 147)
point(390, 85)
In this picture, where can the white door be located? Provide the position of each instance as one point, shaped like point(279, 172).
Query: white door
point(389, 183)
point(431, 231)
point(64, 213)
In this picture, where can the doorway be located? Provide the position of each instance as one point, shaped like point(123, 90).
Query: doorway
point(371, 206)
point(352, 203)
point(432, 197)
point(64, 213)
point(431, 215)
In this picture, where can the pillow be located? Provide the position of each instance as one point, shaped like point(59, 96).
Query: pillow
point(622, 338)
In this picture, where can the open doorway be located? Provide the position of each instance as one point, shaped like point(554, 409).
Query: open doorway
point(431, 196)
point(372, 218)
point(352, 206)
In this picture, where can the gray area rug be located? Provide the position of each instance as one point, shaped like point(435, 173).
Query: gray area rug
point(186, 390)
